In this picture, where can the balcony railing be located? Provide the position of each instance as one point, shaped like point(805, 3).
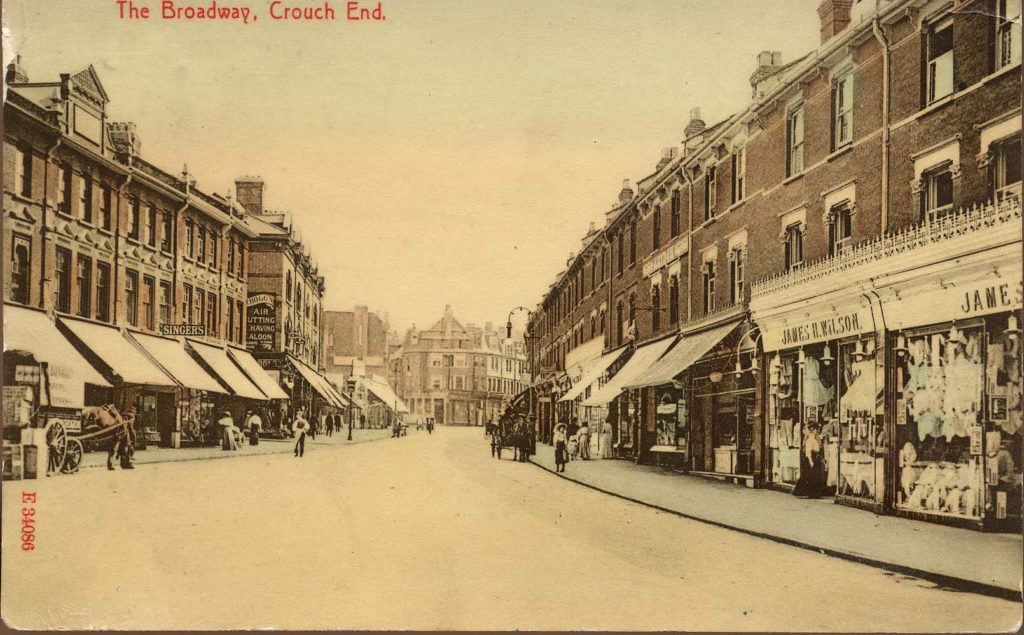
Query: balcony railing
point(1004, 213)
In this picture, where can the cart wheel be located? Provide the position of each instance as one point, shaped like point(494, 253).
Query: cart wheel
point(57, 442)
point(73, 457)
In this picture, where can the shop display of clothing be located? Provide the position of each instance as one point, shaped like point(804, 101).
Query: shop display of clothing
point(814, 391)
point(860, 393)
point(963, 390)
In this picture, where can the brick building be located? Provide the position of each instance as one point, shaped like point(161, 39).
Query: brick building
point(763, 288)
point(357, 342)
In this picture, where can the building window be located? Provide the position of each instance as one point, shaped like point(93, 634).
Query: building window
point(151, 225)
point(64, 188)
point(85, 197)
point(603, 269)
point(708, 277)
point(201, 240)
point(632, 242)
point(840, 228)
point(186, 302)
point(190, 231)
point(632, 316)
point(102, 291)
point(106, 196)
point(62, 273)
point(238, 325)
point(656, 308)
point(1006, 168)
point(199, 308)
point(673, 300)
point(736, 264)
point(710, 194)
point(739, 175)
point(241, 259)
point(211, 314)
point(131, 296)
point(795, 141)
point(1008, 37)
point(842, 110)
point(167, 233)
point(213, 248)
point(148, 302)
point(940, 59)
point(288, 285)
point(23, 171)
point(794, 246)
point(656, 222)
point(21, 268)
point(937, 193)
point(619, 334)
point(620, 256)
point(674, 222)
point(601, 320)
point(231, 256)
point(134, 219)
point(166, 303)
point(84, 286)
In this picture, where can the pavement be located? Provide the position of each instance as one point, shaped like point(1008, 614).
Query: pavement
point(154, 454)
point(426, 532)
point(964, 559)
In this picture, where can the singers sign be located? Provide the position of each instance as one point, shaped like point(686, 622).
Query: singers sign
point(260, 321)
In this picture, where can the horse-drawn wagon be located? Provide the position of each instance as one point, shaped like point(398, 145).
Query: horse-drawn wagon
point(100, 424)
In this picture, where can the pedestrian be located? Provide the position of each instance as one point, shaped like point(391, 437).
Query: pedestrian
point(362, 421)
point(122, 446)
point(226, 424)
point(330, 424)
point(254, 424)
point(584, 440)
point(299, 427)
point(311, 428)
point(560, 439)
point(811, 483)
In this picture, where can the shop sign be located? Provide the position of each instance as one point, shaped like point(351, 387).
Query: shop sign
point(64, 389)
point(178, 330)
point(260, 321)
point(822, 329)
point(992, 298)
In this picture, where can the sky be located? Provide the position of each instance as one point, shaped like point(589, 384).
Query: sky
point(453, 153)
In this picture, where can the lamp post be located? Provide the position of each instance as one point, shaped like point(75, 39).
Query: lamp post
point(530, 340)
point(350, 386)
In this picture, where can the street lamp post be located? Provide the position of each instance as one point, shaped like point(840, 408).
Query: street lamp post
point(530, 341)
point(351, 389)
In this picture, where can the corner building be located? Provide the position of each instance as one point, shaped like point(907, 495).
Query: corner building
point(837, 264)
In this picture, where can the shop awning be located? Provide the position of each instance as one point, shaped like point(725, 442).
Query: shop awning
point(387, 395)
point(123, 357)
point(592, 372)
point(216, 357)
point(170, 353)
point(318, 383)
point(641, 360)
point(337, 381)
point(338, 393)
point(689, 349)
point(68, 372)
point(252, 369)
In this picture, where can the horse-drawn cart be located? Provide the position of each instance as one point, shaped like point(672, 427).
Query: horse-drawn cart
point(98, 423)
point(513, 429)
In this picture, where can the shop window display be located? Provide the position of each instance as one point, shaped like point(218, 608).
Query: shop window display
point(671, 421)
point(862, 443)
point(1004, 420)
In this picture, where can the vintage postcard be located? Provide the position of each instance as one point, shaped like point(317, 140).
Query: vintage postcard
point(638, 315)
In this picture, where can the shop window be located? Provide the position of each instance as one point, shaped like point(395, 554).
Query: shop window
point(842, 110)
point(861, 434)
point(106, 197)
point(673, 300)
point(84, 279)
point(940, 59)
point(937, 193)
point(64, 188)
point(739, 175)
point(131, 296)
point(21, 268)
point(1006, 168)
point(840, 228)
point(102, 291)
point(85, 197)
point(134, 218)
point(62, 274)
point(1008, 36)
point(708, 286)
point(166, 303)
point(632, 242)
point(795, 141)
point(671, 419)
point(656, 308)
point(940, 411)
point(710, 193)
point(167, 233)
point(674, 223)
point(736, 265)
point(656, 225)
point(23, 171)
point(794, 246)
point(186, 303)
point(148, 302)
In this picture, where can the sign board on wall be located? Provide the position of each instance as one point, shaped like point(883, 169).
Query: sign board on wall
point(260, 321)
point(798, 329)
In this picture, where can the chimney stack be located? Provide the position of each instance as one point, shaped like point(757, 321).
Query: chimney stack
point(696, 125)
point(124, 138)
point(626, 193)
point(667, 154)
point(249, 191)
point(16, 72)
point(835, 16)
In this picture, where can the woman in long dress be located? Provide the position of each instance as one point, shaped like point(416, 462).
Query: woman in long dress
point(812, 470)
point(561, 439)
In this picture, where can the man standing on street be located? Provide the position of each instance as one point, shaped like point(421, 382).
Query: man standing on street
point(329, 424)
point(299, 429)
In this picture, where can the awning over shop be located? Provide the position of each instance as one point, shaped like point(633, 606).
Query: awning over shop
point(252, 369)
point(122, 356)
point(593, 371)
point(338, 393)
point(68, 372)
point(318, 383)
point(641, 360)
point(689, 349)
point(386, 394)
point(170, 353)
point(216, 357)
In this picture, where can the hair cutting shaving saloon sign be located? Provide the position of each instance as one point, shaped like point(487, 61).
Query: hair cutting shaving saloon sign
point(260, 321)
point(791, 332)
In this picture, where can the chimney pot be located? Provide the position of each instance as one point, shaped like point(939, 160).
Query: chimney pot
point(835, 16)
point(249, 193)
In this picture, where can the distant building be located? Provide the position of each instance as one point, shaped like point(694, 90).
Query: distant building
point(356, 342)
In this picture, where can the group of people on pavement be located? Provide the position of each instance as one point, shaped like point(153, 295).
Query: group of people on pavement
point(571, 442)
point(232, 435)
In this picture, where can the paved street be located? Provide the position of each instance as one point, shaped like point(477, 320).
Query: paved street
point(423, 532)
